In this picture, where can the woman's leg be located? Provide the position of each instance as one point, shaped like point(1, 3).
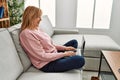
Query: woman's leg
point(72, 43)
point(64, 64)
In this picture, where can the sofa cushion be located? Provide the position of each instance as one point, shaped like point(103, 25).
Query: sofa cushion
point(10, 65)
point(100, 42)
point(23, 56)
point(63, 38)
point(93, 64)
point(46, 25)
point(92, 53)
point(70, 75)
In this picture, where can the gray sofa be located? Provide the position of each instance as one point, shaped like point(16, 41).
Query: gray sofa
point(15, 64)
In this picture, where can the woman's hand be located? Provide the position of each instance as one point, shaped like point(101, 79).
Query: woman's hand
point(69, 48)
point(69, 53)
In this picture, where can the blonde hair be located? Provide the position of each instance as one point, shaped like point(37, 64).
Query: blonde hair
point(29, 15)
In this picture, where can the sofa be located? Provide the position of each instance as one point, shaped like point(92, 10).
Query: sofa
point(93, 47)
point(15, 64)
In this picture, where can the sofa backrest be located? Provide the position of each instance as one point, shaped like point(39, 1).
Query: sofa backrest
point(46, 25)
point(10, 65)
point(23, 56)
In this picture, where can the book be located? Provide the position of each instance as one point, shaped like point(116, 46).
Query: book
point(1, 11)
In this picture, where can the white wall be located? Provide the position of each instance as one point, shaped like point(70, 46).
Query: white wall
point(66, 18)
point(115, 21)
point(66, 11)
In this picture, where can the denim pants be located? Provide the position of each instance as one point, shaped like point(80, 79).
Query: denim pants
point(67, 63)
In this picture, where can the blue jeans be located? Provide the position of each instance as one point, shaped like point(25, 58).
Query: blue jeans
point(65, 64)
point(72, 43)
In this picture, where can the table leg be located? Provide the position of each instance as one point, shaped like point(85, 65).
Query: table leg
point(100, 64)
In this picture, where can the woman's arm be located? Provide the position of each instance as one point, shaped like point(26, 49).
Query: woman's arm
point(64, 48)
point(61, 48)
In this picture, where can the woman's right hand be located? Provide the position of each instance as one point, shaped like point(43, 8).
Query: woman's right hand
point(69, 53)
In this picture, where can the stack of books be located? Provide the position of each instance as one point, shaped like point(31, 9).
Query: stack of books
point(1, 12)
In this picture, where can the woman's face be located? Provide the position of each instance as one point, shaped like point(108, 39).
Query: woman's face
point(37, 21)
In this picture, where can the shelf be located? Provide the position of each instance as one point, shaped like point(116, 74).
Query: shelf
point(4, 19)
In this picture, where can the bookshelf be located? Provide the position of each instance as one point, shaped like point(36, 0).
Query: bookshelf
point(5, 20)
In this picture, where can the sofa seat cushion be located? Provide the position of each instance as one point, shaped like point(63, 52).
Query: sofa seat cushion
point(70, 75)
point(63, 38)
point(100, 42)
point(10, 65)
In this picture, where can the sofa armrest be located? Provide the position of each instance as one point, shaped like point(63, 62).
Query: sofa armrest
point(65, 31)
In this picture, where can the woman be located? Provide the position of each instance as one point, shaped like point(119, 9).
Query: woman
point(43, 54)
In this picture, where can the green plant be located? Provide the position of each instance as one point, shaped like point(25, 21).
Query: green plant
point(16, 8)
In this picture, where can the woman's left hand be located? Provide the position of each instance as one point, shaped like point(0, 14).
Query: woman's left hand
point(69, 48)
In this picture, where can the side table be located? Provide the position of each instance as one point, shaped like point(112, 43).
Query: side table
point(113, 60)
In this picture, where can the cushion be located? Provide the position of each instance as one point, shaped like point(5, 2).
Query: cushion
point(70, 75)
point(92, 53)
point(16, 26)
point(63, 38)
point(46, 25)
point(23, 56)
point(100, 42)
point(10, 65)
point(93, 64)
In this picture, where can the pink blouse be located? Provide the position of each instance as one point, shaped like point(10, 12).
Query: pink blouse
point(39, 47)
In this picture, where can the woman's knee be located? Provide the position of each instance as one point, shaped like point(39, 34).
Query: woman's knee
point(79, 61)
point(75, 42)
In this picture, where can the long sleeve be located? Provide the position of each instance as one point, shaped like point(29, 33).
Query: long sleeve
point(37, 48)
point(60, 47)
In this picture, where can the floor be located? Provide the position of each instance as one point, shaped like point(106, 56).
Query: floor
point(87, 75)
